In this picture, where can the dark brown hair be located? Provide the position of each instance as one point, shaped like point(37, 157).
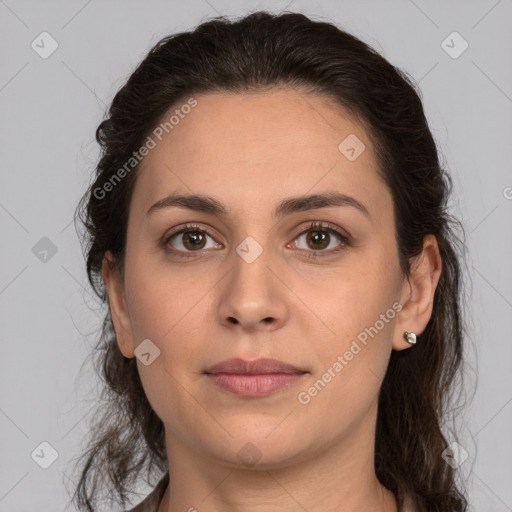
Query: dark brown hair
point(254, 53)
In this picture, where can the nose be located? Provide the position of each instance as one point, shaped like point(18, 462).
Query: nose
point(253, 297)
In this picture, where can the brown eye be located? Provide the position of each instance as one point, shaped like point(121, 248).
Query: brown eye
point(320, 240)
point(190, 239)
point(193, 240)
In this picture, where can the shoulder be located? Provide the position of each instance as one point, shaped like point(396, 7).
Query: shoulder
point(152, 501)
point(408, 505)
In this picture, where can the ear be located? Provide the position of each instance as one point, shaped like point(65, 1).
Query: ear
point(417, 295)
point(118, 310)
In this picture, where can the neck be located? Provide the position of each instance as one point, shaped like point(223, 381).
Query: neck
point(341, 477)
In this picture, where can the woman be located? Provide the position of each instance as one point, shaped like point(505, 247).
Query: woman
point(268, 226)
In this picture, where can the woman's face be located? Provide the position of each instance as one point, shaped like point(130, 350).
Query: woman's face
point(254, 280)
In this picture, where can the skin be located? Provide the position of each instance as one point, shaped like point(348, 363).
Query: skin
point(249, 152)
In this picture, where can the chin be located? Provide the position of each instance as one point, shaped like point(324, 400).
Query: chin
point(250, 450)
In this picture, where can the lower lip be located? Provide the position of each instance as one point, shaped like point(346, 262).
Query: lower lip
point(253, 385)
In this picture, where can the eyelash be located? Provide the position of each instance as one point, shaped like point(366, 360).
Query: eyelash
point(314, 226)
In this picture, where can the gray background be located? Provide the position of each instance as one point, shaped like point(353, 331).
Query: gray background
point(50, 109)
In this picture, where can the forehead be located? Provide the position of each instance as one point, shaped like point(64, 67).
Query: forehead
point(256, 147)
point(258, 126)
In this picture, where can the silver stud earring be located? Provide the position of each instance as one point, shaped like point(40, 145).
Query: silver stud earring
point(410, 337)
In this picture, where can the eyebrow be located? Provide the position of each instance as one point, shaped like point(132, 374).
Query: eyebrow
point(202, 203)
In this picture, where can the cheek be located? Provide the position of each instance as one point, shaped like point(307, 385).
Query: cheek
point(350, 366)
point(351, 299)
point(165, 311)
point(162, 302)
point(360, 307)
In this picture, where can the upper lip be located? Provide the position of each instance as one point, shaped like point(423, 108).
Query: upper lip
point(257, 367)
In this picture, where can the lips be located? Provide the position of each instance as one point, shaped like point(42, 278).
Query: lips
point(253, 378)
point(258, 367)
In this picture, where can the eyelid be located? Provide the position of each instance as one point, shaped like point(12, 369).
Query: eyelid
point(182, 229)
point(325, 226)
